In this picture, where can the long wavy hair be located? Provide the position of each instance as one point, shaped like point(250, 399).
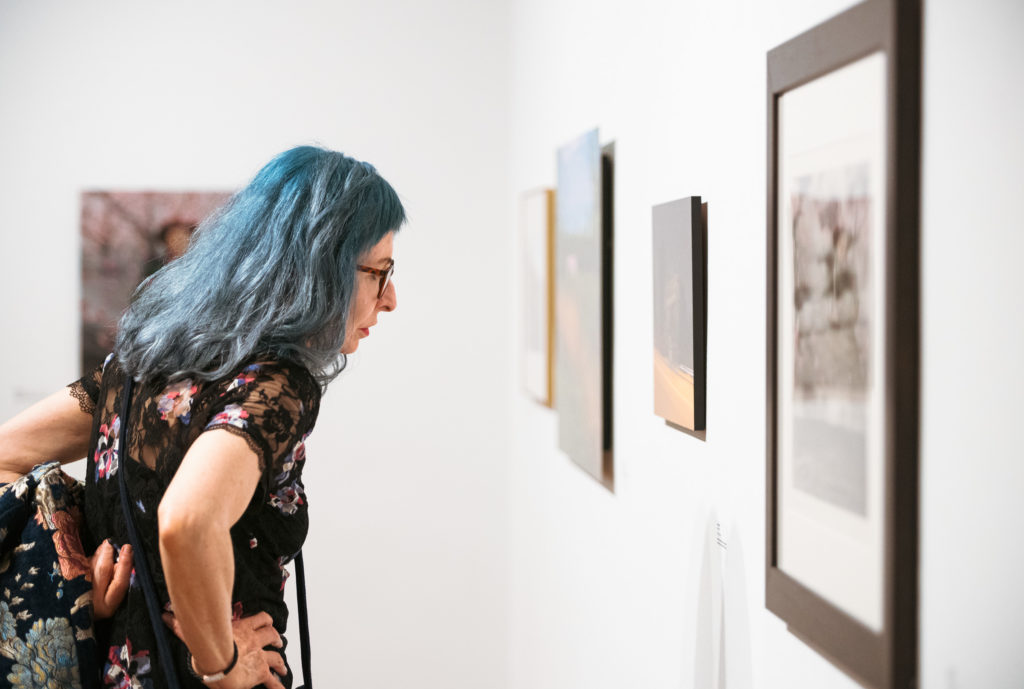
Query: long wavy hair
point(271, 273)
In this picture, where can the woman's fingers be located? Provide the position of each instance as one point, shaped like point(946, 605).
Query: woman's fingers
point(118, 585)
point(102, 566)
point(271, 681)
point(268, 636)
point(260, 619)
point(276, 662)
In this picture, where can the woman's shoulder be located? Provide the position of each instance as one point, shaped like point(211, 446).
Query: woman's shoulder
point(273, 376)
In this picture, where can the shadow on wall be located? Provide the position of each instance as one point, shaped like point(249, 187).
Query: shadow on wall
point(722, 656)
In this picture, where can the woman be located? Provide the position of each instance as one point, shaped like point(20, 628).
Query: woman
point(230, 346)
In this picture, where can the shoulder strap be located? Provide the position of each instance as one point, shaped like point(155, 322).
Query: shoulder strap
point(300, 583)
point(141, 565)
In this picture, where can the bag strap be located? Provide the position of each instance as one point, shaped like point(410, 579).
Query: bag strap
point(141, 566)
point(300, 594)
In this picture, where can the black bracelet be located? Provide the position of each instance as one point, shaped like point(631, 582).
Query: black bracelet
point(215, 676)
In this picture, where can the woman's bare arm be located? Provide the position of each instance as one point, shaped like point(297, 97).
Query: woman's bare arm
point(208, 494)
point(54, 428)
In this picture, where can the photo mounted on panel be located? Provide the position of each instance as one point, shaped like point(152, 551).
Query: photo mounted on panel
point(537, 222)
point(583, 305)
point(843, 193)
point(126, 237)
point(680, 321)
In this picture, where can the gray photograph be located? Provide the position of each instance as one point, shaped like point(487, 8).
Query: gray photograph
point(674, 356)
point(833, 299)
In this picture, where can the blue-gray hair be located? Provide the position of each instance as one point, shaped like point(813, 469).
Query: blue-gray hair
point(272, 273)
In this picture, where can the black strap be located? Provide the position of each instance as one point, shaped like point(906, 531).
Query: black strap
point(141, 566)
point(300, 583)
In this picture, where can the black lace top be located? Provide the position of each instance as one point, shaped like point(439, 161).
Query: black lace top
point(273, 406)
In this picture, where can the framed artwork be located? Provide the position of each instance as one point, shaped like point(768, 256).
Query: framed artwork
point(843, 339)
point(680, 312)
point(126, 237)
point(537, 221)
point(583, 305)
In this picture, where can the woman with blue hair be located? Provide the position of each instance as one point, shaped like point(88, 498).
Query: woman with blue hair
point(230, 347)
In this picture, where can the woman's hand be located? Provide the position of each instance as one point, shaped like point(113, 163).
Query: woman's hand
point(255, 665)
point(109, 579)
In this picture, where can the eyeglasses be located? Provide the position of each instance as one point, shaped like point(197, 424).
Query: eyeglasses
point(383, 273)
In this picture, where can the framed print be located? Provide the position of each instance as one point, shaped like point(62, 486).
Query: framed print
point(537, 221)
point(843, 339)
point(583, 305)
point(126, 237)
point(680, 322)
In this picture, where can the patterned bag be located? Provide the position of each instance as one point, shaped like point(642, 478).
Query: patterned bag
point(46, 631)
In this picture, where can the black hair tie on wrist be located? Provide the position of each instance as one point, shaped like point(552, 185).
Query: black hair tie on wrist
point(217, 675)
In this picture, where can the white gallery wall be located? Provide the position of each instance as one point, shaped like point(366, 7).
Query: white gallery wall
point(405, 477)
point(452, 545)
point(661, 584)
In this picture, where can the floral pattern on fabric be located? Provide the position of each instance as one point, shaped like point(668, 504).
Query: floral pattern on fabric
point(287, 491)
point(127, 670)
point(176, 402)
point(233, 415)
point(288, 499)
point(247, 376)
point(106, 448)
point(281, 562)
point(46, 634)
point(272, 406)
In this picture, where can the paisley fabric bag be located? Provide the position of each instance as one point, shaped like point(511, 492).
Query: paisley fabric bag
point(46, 630)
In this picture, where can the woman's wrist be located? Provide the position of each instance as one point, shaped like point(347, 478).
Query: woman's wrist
point(212, 676)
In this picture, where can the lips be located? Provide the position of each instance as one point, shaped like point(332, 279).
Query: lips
point(364, 331)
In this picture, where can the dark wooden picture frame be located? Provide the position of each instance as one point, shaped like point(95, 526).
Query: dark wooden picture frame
point(885, 659)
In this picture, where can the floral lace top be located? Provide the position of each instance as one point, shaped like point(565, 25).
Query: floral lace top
point(273, 406)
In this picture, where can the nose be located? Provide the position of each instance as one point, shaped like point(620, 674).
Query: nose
point(389, 300)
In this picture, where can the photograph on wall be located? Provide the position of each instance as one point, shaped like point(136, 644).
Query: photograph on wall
point(843, 339)
point(679, 312)
point(537, 223)
point(127, 236)
point(830, 337)
point(583, 305)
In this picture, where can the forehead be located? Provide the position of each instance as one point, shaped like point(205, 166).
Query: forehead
point(382, 249)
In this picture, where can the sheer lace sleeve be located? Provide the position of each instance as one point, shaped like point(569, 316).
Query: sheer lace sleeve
point(273, 406)
point(87, 388)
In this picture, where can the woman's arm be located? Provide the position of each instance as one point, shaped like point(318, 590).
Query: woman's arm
point(54, 428)
point(208, 494)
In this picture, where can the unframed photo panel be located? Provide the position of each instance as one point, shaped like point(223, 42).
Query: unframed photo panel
point(127, 236)
point(831, 361)
point(679, 322)
point(537, 215)
point(579, 310)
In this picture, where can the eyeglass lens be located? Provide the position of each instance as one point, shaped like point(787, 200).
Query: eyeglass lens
point(384, 280)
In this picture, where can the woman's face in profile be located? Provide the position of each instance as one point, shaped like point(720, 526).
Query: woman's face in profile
point(365, 304)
